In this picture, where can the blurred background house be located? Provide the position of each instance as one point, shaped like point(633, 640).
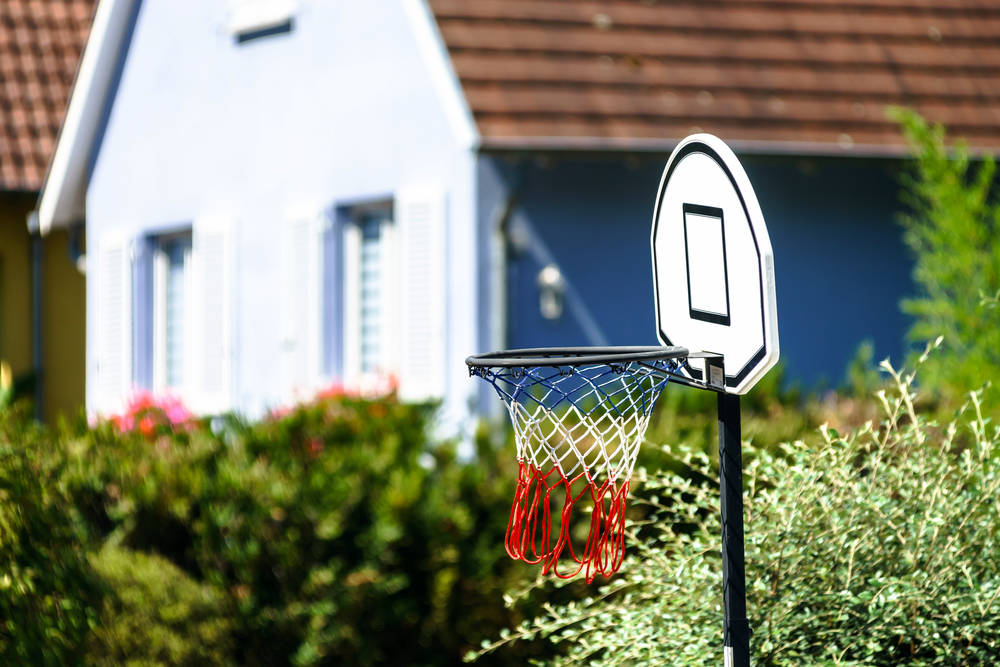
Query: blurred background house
point(282, 194)
point(41, 288)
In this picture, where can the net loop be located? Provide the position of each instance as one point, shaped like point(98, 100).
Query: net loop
point(578, 429)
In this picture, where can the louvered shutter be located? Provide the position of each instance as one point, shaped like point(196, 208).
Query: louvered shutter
point(391, 299)
point(114, 324)
point(422, 219)
point(302, 304)
point(210, 366)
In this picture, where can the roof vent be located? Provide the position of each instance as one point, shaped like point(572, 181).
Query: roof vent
point(252, 19)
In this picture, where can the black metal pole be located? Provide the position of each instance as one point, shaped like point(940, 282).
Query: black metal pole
point(736, 628)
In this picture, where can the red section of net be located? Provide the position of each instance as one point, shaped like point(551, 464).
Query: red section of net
point(541, 522)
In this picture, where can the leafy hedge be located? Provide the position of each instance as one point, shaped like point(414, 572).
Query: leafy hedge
point(156, 614)
point(337, 533)
point(877, 547)
point(48, 592)
point(334, 533)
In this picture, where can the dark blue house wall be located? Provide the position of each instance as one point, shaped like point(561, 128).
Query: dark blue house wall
point(841, 267)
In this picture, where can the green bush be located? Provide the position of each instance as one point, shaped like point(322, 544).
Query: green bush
point(48, 592)
point(952, 227)
point(877, 547)
point(336, 533)
point(155, 614)
point(687, 417)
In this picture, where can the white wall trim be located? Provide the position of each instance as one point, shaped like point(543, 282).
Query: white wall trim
point(61, 201)
point(449, 89)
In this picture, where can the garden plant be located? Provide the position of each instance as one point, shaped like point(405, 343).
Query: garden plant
point(870, 547)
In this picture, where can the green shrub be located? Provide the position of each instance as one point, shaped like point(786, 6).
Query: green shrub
point(878, 547)
point(155, 614)
point(48, 593)
point(336, 532)
point(771, 413)
point(952, 227)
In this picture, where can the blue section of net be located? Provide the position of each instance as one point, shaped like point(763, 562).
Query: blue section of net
point(618, 388)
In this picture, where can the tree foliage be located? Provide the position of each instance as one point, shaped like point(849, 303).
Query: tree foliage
point(48, 592)
point(952, 227)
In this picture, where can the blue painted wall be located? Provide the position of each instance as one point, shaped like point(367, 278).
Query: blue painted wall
point(840, 264)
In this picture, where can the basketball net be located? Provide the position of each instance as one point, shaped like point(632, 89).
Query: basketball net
point(578, 430)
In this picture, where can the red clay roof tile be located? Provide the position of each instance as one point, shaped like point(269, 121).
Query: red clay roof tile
point(813, 73)
point(40, 45)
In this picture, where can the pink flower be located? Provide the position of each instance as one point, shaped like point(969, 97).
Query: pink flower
point(146, 413)
point(335, 390)
point(280, 412)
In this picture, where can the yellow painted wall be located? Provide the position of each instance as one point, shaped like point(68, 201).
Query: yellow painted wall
point(15, 282)
point(63, 308)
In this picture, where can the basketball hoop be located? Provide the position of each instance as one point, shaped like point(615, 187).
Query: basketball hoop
point(579, 416)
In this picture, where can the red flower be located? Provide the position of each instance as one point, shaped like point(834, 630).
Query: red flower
point(315, 447)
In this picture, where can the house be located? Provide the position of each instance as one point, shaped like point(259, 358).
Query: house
point(41, 289)
point(278, 195)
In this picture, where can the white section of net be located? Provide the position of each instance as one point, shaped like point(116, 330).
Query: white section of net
point(589, 418)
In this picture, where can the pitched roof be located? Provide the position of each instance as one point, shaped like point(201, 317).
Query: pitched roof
point(40, 44)
point(798, 75)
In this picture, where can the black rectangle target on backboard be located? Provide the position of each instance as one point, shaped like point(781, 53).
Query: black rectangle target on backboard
point(705, 254)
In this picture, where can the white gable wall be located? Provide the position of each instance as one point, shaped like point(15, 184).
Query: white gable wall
point(341, 109)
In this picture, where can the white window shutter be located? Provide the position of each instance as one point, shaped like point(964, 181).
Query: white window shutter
point(422, 219)
point(391, 298)
point(114, 324)
point(301, 304)
point(210, 364)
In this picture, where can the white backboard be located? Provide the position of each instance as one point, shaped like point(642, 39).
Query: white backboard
point(713, 269)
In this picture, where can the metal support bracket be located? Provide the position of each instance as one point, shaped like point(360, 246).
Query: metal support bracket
point(714, 372)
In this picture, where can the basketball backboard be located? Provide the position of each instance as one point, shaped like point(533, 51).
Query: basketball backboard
point(713, 269)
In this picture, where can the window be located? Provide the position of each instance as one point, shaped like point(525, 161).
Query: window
point(369, 292)
point(165, 304)
point(385, 291)
point(171, 303)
